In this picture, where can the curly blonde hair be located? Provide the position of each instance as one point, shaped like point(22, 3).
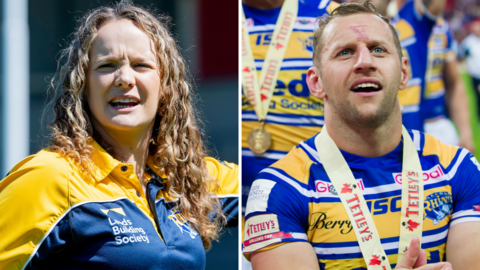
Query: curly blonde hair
point(176, 140)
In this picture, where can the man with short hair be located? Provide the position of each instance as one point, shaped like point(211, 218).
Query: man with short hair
point(297, 216)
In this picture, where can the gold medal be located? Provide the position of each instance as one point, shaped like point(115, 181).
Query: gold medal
point(259, 140)
point(259, 91)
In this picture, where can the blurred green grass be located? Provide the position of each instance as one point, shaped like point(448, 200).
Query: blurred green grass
point(472, 104)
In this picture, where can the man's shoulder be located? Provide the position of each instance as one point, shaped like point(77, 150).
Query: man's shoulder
point(446, 154)
point(296, 163)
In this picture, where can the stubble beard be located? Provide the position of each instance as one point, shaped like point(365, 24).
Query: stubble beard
point(353, 116)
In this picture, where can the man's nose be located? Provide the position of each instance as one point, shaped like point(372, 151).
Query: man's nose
point(365, 61)
point(125, 77)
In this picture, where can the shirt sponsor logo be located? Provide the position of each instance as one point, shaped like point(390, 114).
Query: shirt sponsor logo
point(438, 205)
point(413, 194)
point(266, 237)
point(123, 228)
point(360, 221)
point(258, 196)
point(322, 187)
point(260, 225)
point(182, 223)
point(434, 173)
point(320, 222)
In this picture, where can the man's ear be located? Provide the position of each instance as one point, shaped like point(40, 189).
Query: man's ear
point(315, 83)
point(404, 74)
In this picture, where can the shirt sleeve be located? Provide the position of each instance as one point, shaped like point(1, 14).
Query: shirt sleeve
point(466, 190)
point(420, 19)
point(33, 199)
point(277, 213)
point(226, 176)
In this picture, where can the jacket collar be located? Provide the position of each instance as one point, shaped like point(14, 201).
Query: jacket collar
point(103, 163)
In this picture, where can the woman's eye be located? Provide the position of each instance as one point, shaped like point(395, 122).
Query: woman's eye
point(106, 66)
point(378, 50)
point(141, 65)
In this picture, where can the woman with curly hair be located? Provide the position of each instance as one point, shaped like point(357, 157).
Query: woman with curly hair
point(124, 183)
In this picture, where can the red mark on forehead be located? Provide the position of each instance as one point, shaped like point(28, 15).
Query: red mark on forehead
point(360, 31)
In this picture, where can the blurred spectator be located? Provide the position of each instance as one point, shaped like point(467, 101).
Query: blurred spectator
point(471, 48)
point(445, 89)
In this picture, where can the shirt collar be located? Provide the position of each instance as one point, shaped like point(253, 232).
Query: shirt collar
point(102, 162)
point(155, 168)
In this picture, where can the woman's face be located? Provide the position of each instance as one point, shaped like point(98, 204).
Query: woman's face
point(123, 80)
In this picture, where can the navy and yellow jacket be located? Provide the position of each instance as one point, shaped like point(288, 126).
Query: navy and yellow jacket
point(54, 216)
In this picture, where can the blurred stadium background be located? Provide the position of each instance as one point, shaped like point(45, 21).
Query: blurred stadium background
point(207, 32)
point(460, 14)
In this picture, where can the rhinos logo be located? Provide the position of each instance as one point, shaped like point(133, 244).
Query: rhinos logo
point(182, 223)
point(307, 44)
point(437, 206)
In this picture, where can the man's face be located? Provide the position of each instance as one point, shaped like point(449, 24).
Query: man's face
point(360, 71)
point(476, 28)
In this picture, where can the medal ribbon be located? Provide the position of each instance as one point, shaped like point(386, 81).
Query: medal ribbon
point(259, 92)
point(356, 207)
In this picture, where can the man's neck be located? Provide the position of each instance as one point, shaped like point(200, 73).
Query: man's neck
point(366, 142)
point(263, 4)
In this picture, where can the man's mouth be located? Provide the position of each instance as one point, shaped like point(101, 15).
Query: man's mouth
point(367, 87)
point(120, 103)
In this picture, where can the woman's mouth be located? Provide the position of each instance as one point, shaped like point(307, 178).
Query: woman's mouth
point(122, 103)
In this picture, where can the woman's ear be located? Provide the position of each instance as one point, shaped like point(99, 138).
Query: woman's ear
point(315, 83)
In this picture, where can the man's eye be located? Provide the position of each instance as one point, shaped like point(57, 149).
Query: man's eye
point(345, 53)
point(378, 50)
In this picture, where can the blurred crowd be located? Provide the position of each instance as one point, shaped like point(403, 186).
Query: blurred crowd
point(461, 14)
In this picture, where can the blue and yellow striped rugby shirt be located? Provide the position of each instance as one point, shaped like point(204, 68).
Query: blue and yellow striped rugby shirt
point(293, 200)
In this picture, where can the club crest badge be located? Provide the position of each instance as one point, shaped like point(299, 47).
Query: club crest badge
point(307, 44)
point(182, 223)
point(438, 205)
